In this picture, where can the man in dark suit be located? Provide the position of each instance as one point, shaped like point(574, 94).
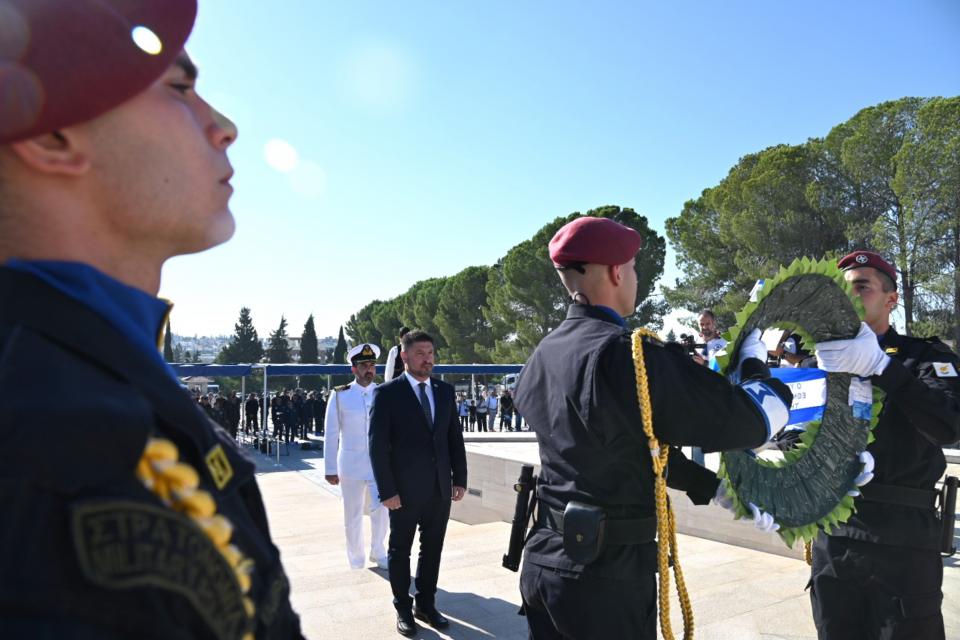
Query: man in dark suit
point(419, 464)
point(127, 513)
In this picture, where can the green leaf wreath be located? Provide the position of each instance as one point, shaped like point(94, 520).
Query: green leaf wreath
point(807, 490)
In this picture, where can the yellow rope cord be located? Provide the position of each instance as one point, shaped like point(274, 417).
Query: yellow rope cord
point(175, 483)
point(808, 553)
point(666, 526)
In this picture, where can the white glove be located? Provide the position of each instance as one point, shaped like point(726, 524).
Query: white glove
point(722, 499)
point(763, 520)
point(752, 347)
point(867, 475)
point(861, 356)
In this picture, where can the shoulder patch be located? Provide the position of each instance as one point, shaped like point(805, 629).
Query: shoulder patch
point(944, 369)
point(891, 351)
point(128, 545)
point(342, 387)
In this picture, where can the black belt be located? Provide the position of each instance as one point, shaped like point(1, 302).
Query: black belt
point(903, 496)
point(619, 531)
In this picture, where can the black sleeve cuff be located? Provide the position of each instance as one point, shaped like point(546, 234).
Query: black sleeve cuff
point(893, 377)
point(753, 369)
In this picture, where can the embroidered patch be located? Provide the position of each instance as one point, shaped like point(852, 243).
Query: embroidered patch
point(891, 350)
point(944, 370)
point(219, 466)
point(125, 545)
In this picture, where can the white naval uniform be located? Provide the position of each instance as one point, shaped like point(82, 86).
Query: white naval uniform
point(346, 455)
point(392, 356)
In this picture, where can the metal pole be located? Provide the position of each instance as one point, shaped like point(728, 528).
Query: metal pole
point(266, 406)
point(243, 396)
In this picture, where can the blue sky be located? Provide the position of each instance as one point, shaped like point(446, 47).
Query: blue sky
point(382, 143)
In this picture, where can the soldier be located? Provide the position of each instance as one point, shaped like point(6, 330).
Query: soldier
point(143, 519)
point(579, 392)
point(879, 575)
point(347, 459)
point(394, 366)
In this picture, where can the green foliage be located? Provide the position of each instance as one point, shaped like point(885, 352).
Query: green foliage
point(168, 353)
point(526, 299)
point(361, 328)
point(340, 351)
point(309, 345)
point(835, 463)
point(886, 179)
point(278, 350)
point(500, 313)
point(244, 346)
point(459, 315)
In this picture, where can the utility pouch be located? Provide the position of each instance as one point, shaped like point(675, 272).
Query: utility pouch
point(584, 531)
point(948, 515)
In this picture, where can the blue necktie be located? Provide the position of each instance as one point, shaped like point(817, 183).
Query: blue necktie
point(425, 405)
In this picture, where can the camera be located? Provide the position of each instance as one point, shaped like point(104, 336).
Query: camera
point(690, 345)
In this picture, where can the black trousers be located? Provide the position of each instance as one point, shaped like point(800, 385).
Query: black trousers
point(565, 605)
point(431, 518)
point(865, 591)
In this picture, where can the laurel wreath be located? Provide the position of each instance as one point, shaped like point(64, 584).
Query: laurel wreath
point(808, 490)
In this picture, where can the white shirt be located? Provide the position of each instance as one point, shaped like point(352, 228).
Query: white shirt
point(713, 346)
point(392, 356)
point(346, 436)
point(428, 385)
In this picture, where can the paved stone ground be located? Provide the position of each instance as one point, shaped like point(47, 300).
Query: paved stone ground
point(737, 593)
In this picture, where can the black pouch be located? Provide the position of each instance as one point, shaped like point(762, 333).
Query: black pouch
point(584, 528)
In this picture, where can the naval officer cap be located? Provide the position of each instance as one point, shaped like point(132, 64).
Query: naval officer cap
point(363, 353)
point(590, 240)
point(859, 259)
point(64, 62)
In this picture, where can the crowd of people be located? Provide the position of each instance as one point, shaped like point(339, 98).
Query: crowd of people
point(294, 413)
point(480, 414)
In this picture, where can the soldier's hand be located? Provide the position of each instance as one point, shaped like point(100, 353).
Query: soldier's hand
point(334, 480)
point(392, 503)
point(762, 520)
point(861, 356)
point(458, 493)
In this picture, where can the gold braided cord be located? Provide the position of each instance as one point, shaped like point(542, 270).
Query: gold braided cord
point(808, 553)
point(666, 525)
point(175, 483)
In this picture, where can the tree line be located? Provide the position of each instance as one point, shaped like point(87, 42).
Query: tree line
point(887, 179)
point(500, 313)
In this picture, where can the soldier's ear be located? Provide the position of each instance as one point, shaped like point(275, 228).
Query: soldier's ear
point(54, 153)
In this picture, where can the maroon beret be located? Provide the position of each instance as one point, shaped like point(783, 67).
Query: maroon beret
point(859, 259)
point(593, 240)
point(63, 62)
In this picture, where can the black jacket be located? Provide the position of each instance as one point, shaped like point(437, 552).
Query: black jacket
point(921, 414)
point(578, 392)
point(408, 458)
point(85, 545)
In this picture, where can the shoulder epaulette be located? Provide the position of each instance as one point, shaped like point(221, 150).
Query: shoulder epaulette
point(342, 387)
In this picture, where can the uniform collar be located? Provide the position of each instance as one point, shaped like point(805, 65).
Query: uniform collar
point(597, 312)
point(139, 316)
point(890, 339)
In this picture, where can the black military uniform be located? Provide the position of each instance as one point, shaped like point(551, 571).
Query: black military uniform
point(578, 392)
point(89, 551)
point(880, 574)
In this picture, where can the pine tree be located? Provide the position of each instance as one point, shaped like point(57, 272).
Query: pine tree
point(279, 350)
point(178, 353)
point(309, 346)
point(168, 343)
point(245, 344)
point(671, 336)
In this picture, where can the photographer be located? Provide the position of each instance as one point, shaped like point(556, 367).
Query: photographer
point(710, 335)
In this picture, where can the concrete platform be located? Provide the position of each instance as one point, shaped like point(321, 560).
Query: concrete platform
point(736, 592)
